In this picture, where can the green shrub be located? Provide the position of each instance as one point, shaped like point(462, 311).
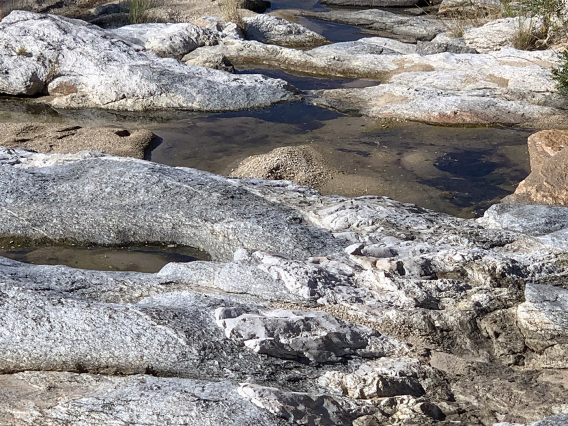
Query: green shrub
point(561, 75)
point(138, 11)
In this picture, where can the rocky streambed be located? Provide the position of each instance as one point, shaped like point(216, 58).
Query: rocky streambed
point(296, 307)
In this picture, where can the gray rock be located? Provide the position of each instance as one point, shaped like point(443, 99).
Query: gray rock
point(469, 7)
point(407, 29)
point(368, 46)
point(530, 219)
point(543, 320)
point(496, 34)
point(557, 420)
point(84, 66)
point(318, 304)
point(272, 30)
point(168, 40)
point(83, 399)
point(443, 43)
point(302, 408)
point(217, 62)
point(181, 205)
point(371, 3)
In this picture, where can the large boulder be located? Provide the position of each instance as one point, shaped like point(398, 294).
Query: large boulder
point(168, 40)
point(83, 66)
point(501, 32)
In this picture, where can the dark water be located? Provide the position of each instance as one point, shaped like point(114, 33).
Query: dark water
point(313, 83)
point(148, 259)
point(334, 32)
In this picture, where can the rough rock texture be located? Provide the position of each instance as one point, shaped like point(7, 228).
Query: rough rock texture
point(547, 182)
point(168, 40)
point(319, 310)
point(371, 3)
point(443, 43)
point(217, 62)
point(84, 66)
point(461, 8)
point(407, 29)
point(300, 164)
point(50, 138)
point(80, 399)
point(273, 30)
point(496, 34)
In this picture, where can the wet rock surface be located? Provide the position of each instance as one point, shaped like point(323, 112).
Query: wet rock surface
point(317, 310)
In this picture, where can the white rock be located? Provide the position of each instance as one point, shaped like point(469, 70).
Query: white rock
point(273, 30)
point(87, 67)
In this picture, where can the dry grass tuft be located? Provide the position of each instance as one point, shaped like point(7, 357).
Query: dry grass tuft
point(231, 13)
point(138, 11)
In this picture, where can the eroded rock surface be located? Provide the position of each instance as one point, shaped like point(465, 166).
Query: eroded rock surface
point(273, 30)
point(407, 29)
point(49, 138)
point(84, 66)
point(546, 183)
point(319, 310)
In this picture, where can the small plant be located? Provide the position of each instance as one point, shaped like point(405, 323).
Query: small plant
point(525, 39)
point(21, 51)
point(231, 13)
point(138, 11)
point(561, 75)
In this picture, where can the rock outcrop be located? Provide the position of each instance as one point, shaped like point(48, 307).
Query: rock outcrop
point(273, 30)
point(408, 29)
point(83, 66)
point(317, 310)
point(547, 182)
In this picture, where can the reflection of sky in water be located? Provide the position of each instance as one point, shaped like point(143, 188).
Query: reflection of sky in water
point(455, 170)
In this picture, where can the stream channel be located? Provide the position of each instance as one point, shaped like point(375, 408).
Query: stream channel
point(459, 171)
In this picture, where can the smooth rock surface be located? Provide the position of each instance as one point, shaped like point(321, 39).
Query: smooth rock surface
point(273, 30)
point(408, 29)
point(168, 40)
point(498, 33)
point(86, 67)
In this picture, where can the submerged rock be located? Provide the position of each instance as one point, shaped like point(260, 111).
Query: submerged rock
point(299, 164)
point(52, 138)
point(86, 67)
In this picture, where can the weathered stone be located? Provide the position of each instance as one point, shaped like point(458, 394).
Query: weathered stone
point(299, 164)
point(272, 30)
point(546, 183)
point(168, 40)
point(496, 34)
point(217, 62)
point(463, 8)
point(48, 138)
point(443, 43)
point(99, 70)
point(386, 292)
point(67, 398)
point(371, 3)
point(407, 29)
point(302, 408)
point(543, 320)
point(200, 220)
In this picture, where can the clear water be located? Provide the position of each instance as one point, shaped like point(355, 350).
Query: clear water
point(149, 259)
